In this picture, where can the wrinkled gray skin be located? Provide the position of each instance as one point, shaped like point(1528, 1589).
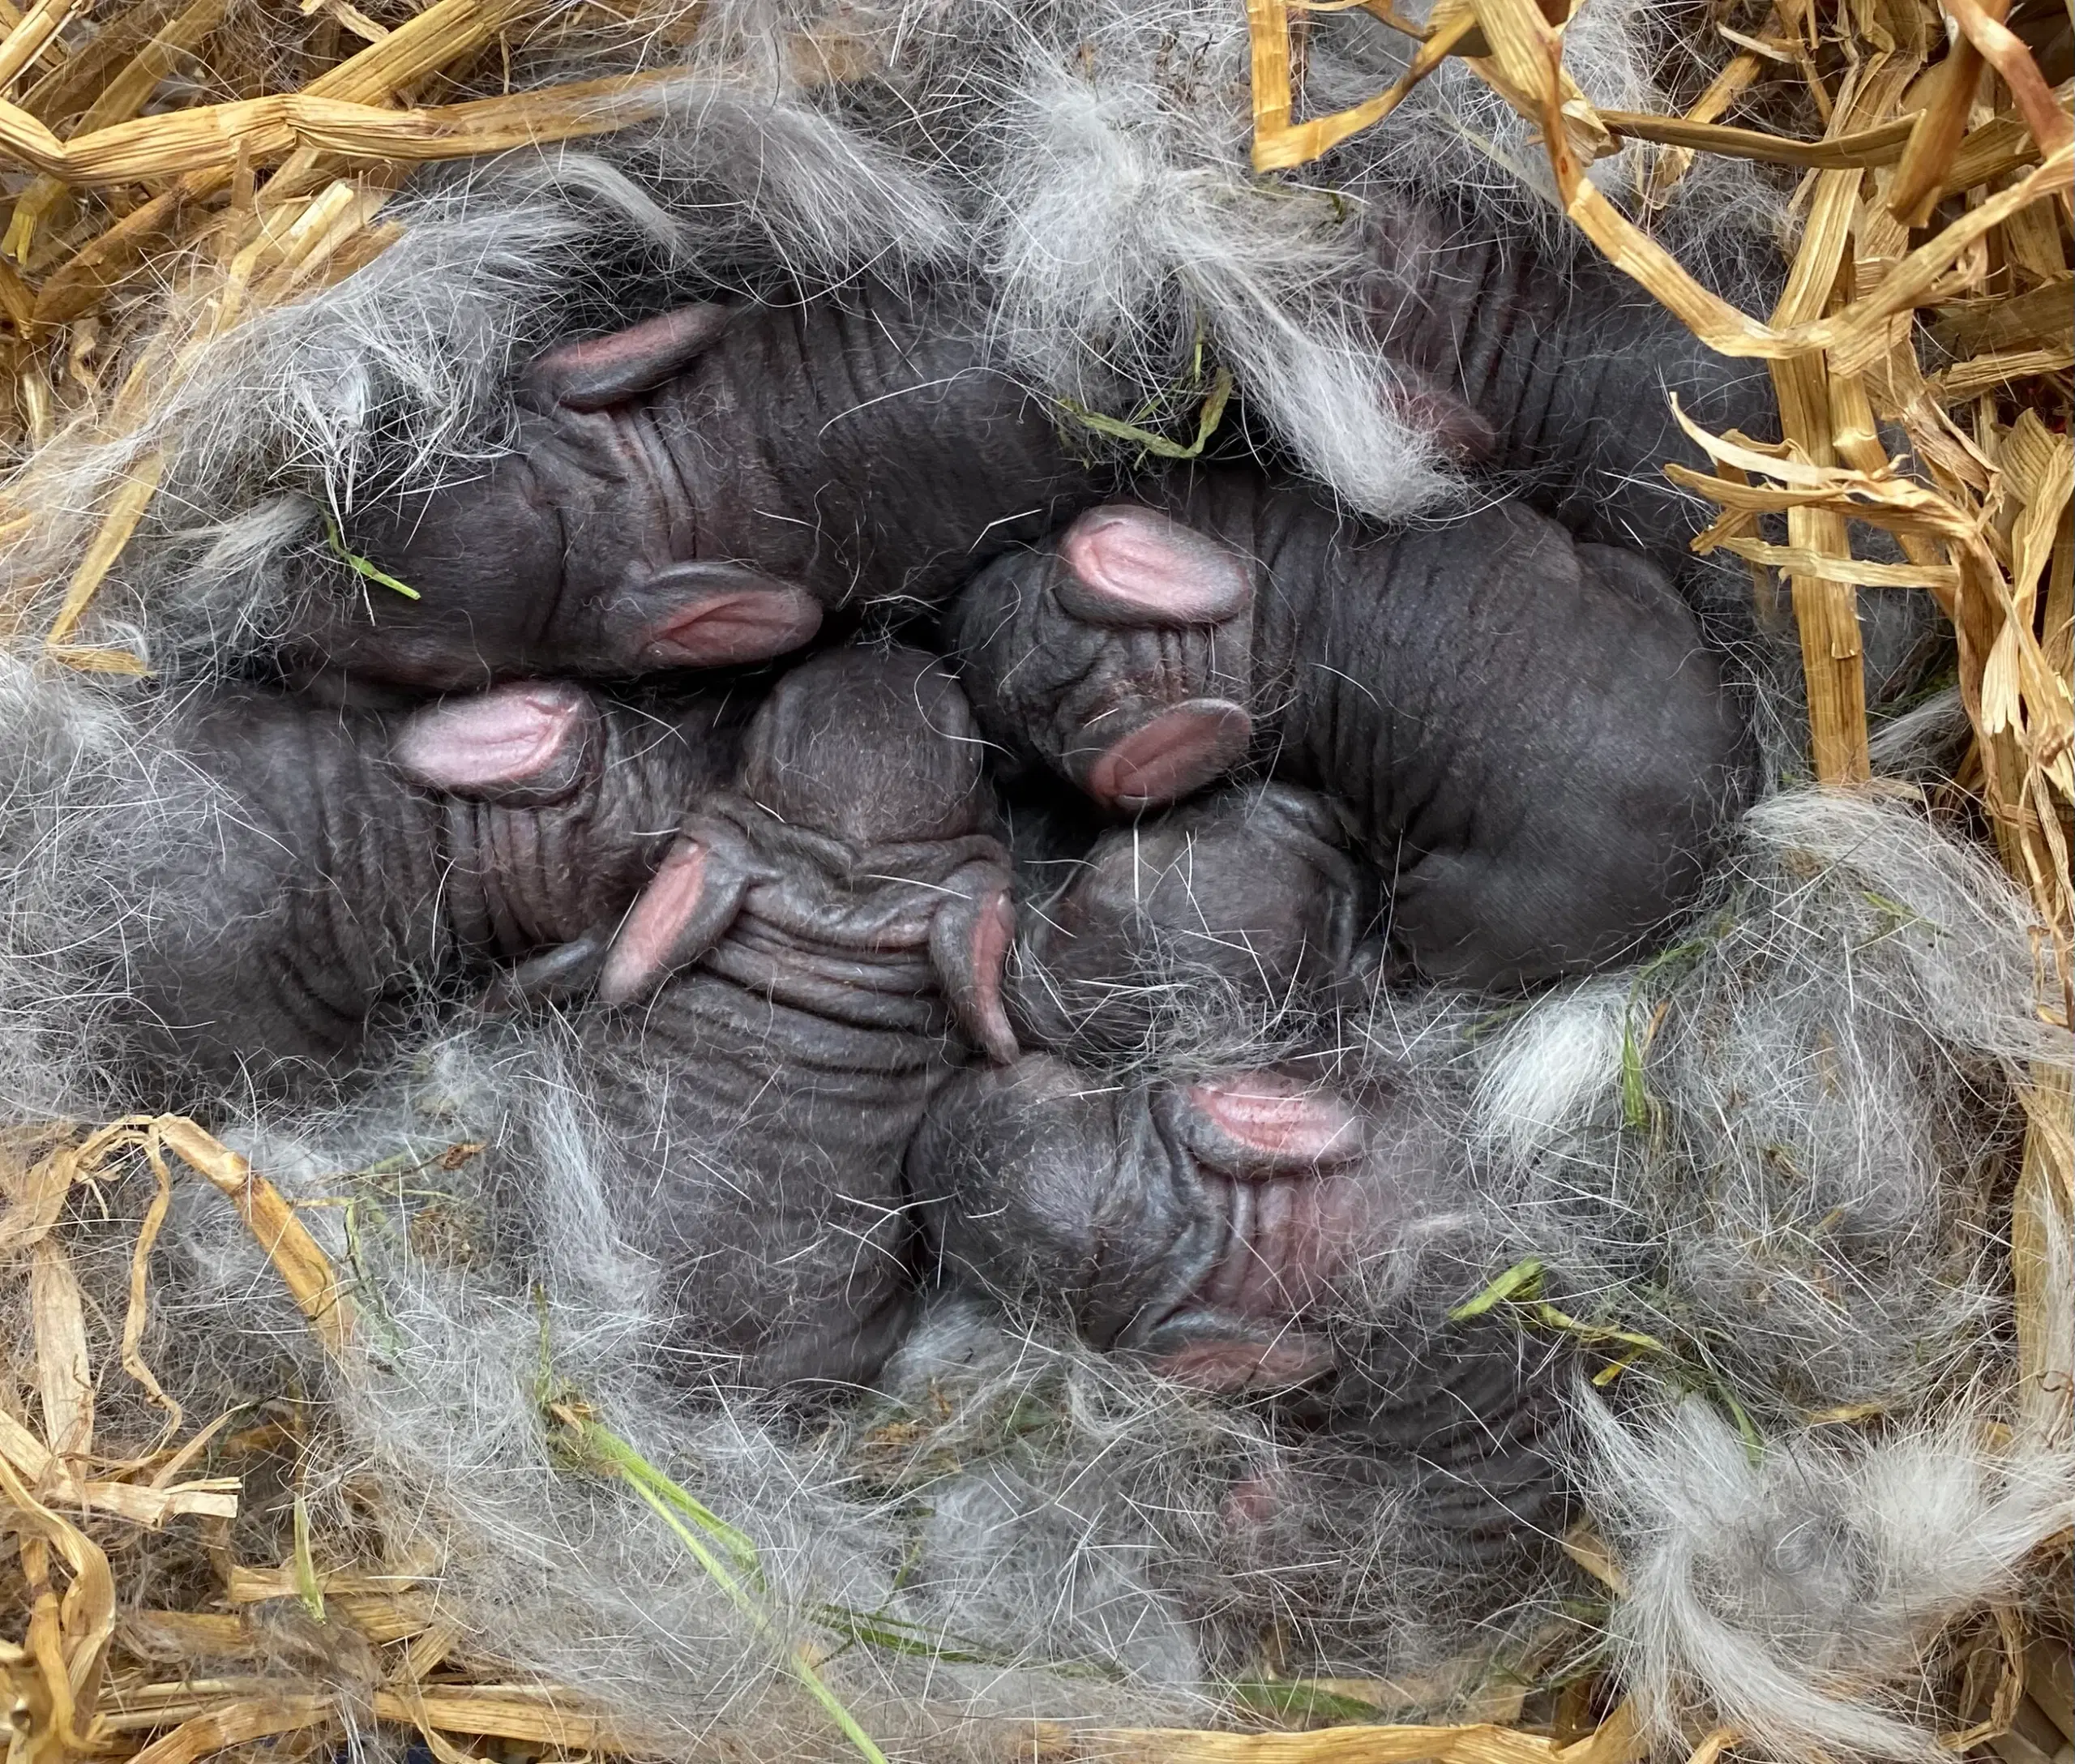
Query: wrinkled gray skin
point(1567, 368)
point(1192, 1224)
point(837, 922)
point(698, 490)
point(1203, 1226)
point(330, 876)
point(1528, 734)
point(1243, 905)
point(1554, 373)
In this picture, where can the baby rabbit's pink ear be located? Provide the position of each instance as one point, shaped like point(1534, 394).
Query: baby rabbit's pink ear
point(523, 746)
point(1257, 1124)
point(969, 940)
point(605, 370)
point(700, 614)
point(685, 910)
point(1134, 568)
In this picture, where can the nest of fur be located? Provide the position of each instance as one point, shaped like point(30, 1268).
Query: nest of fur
point(344, 1426)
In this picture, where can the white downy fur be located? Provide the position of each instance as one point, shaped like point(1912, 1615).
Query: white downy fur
point(1793, 1595)
point(1773, 1141)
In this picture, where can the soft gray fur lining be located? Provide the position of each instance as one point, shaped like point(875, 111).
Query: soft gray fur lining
point(1769, 1150)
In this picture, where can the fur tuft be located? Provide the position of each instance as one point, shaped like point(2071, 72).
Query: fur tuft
point(1779, 1594)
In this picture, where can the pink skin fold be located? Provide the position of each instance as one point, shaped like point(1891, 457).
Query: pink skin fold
point(648, 940)
point(475, 747)
point(732, 627)
point(1175, 755)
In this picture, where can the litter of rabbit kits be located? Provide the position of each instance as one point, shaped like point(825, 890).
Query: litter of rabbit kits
point(1726, 1282)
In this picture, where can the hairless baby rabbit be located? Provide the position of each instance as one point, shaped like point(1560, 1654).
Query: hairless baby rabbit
point(698, 490)
point(1194, 1223)
point(1554, 373)
point(1567, 369)
point(312, 873)
point(814, 957)
point(1203, 1226)
point(1532, 742)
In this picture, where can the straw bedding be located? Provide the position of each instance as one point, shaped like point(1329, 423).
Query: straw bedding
point(348, 1426)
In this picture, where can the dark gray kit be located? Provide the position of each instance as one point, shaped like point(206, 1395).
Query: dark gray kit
point(1193, 1223)
point(1564, 369)
point(339, 859)
point(1534, 745)
point(1244, 904)
point(819, 952)
point(700, 489)
point(1203, 1226)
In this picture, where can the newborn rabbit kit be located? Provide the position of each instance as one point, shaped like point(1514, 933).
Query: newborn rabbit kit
point(900, 891)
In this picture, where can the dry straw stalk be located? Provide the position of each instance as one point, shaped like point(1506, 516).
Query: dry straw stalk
point(265, 198)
